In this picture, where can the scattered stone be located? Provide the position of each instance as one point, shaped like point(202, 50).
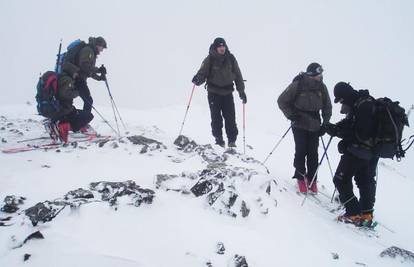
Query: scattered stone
point(110, 191)
point(114, 145)
point(102, 143)
point(393, 252)
point(146, 143)
point(28, 103)
point(245, 211)
point(220, 249)
point(46, 166)
point(79, 193)
point(185, 144)
point(11, 203)
point(202, 187)
point(44, 211)
point(360, 263)
point(26, 257)
point(335, 256)
point(239, 261)
point(209, 264)
point(35, 235)
point(3, 140)
point(3, 128)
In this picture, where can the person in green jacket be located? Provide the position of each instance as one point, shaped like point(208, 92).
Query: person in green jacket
point(221, 71)
point(81, 66)
point(301, 102)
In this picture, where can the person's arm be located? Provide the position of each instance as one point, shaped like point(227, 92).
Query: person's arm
point(203, 72)
point(327, 105)
point(286, 100)
point(365, 123)
point(239, 77)
point(67, 89)
point(87, 61)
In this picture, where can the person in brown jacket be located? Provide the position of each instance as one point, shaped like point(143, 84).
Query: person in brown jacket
point(80, 65)
point(220, 70)
point(301, 103)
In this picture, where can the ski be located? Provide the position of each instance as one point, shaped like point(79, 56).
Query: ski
point(55, 145)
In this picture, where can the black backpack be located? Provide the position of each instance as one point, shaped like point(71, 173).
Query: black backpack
point(46, 96)
point(390, 120)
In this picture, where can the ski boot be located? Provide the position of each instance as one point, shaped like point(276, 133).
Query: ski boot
point(303, 188)
point(64, 128)
point(232, 145)
point(353, 219)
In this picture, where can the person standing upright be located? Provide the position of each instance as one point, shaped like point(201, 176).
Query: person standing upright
point(301, 102)
point(220, 71)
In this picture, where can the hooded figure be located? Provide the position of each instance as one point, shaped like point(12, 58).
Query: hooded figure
point(357, 160)
point(221, 71)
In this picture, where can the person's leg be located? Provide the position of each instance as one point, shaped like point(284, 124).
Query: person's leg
point(365, 180)
point(312, 154)
point(80, 119)
point(347, 167)
point(214, 103)
point(229, 115)
point(85, 94)
point(299, 136)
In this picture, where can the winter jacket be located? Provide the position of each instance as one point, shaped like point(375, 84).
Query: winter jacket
point(221, 71)
point(66, 93)
point(302, 102)
point(358, 128)
point(85, 62)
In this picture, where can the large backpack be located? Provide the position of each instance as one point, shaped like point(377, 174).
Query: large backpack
point(390, 121)
point(71, 55)
point(46, 97)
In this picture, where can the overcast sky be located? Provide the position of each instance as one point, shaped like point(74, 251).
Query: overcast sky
point(155, 47)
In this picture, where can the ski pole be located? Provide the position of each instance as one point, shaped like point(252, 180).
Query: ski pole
point(244, 128)
point(113, 109)
point(330, 168)
point(58, 63)
point(110, 126)
point(317, 169)
point(114, 104)
point(188, 107)
point(277, 144)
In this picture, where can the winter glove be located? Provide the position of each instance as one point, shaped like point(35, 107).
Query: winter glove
point(243, 97)
point(102, 70)
point(342, 146)
point(101, 77)
point(197, 80)
point(331, 129)
point(322, 130)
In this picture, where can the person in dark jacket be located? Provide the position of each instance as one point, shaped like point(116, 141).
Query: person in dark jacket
point(221, 70)
point(83, 67)
point(301, 102)
point(357, 160)
point(68, 118)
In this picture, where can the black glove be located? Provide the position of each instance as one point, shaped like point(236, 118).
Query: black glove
point(101, 77)
point(102, 70)
point(331, 129)
point(322, 130)
point(243, 97)
point(342, 146)
point(197, 80)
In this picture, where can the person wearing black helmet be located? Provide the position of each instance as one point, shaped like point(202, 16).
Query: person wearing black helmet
point(357, 160)
point(220, 70)
point(301, 102)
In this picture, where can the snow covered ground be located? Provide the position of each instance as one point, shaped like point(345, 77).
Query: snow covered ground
point(179, 229)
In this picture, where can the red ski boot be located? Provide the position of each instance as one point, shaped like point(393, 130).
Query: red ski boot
point(303, 188)
point(64, 128)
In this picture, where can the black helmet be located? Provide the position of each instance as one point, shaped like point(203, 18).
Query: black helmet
point(344, 92)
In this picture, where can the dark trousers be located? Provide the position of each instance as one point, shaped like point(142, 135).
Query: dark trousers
point(364, 172)
point(222, 107)
point(306, 149)
point(77, 119)
point(85, 94)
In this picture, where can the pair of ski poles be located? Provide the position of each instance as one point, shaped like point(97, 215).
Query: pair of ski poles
point(188, 107)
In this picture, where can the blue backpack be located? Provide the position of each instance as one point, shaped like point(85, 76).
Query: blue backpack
point(70, 55)
point(46, 97)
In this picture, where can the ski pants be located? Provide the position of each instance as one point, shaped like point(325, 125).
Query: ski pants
point(77, 119)
point(306, 149)
point(85, 94)
point(364, 172)
point(222, 106)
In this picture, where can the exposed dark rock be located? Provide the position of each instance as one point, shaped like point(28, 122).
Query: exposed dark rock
point(26, 257)
point(79, 193)
point(393, 252)
point(110, 191)
point(35, 235)
point(245, 211)
point(201, 187)
point(44, 212)
point(185, 144)
point(335, 256)
point(220, 249)
point(3, 140)
point(239, 261)
point(11, 203)
point(146, 143)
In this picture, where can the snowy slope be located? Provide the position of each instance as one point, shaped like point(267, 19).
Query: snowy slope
point(180, 229)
